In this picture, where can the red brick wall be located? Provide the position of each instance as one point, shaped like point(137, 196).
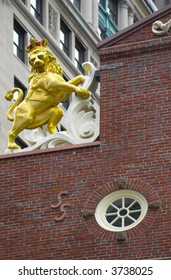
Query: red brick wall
point(134, 147)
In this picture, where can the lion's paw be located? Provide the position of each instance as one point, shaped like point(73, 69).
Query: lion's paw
point(13, 146)
point(84, 93)
point(51, 129)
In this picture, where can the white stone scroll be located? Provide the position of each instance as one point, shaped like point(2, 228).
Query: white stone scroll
point(160, 28)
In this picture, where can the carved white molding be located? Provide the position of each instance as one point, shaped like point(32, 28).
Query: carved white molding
point(52, 21)
point(81, 121)
point(160, 28)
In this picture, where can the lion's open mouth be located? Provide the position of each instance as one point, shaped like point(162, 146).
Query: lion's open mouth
point(40, 68)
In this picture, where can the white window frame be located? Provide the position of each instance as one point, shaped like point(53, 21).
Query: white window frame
point(101, 209)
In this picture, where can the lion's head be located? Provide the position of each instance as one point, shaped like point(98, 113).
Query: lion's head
point(42, 60)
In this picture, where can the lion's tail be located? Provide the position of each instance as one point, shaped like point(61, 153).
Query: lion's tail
point(9, 95)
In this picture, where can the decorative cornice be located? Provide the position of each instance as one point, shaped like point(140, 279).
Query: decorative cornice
point(135, 48)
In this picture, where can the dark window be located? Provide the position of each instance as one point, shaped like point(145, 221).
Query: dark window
point(17, 84)
point(19, 40)
point(21, 143)
point(36, 9)
point(108, 18)
point(79, 55)
point(135, 18)
point(113, 10)
point(103, 3)
point(64, 38)
point(102, 32)
point(77, 4)
point(67, 102)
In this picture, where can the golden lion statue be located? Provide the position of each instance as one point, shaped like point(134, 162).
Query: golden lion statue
point(46, 90)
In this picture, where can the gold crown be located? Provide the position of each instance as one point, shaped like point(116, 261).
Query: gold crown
point(34, 44)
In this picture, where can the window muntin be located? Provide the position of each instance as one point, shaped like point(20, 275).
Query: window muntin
point(79, 55)
point(18, 40)
point(123, 213)
point(36, 9)
point(121, 210)
point(65, 38)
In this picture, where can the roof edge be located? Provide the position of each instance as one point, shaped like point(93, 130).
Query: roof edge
point(134, 27)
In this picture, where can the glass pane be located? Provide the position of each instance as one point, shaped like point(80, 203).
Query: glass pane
point(135, 206)
point(16, 38)
point(32, 11)
point(111, 209)
point(62, 36)
point(128, 201)
point(103, 3)
point(135, 215)
point(76, 54)
point(111, 218)
point(118, 203)
point(77, 4)
point(19, 85)
point(33, 3)
point(15, 49)
point(118, 223)
point(36, 9)
point(127, 221)
point(112, 9)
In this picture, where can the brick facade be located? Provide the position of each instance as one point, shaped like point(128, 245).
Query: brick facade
point(48, 198)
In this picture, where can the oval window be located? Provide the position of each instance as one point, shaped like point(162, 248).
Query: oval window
point(121, 210)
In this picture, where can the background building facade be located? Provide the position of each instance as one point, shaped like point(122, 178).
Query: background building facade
point(73, 28)
point(161, 3)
